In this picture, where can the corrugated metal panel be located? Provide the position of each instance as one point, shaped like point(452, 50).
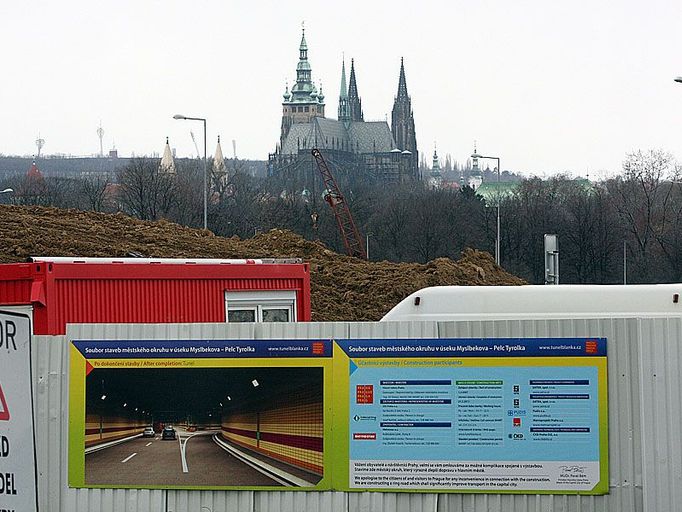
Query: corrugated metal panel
point(79, 293)
point(625, 456)
point(50, 364)
point(152, 300)
point(15, 291)
point(661, 396)
point(657, 400)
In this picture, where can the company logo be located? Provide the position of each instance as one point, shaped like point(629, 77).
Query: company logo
point(516, 422)
point(590, 346)
point(364, 394)
point(516, 436)
point(318, 348)
point(364, 436)
point(357, 417)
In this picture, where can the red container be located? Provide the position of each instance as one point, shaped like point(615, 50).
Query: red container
point(90, 290)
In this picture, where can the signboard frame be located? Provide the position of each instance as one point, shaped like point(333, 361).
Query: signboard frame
point(23, 374)
point(191, 355)
point(424, 350)
point(511, 353)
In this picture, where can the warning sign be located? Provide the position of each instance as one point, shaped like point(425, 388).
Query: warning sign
point(4, 411)
point(17, 446)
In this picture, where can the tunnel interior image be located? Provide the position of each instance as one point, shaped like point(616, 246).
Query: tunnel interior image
point(246, 426)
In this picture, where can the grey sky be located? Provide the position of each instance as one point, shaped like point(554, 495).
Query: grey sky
point(546, 85)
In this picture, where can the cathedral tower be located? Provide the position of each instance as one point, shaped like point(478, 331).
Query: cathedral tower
point(304, 102)
point(354, 102)
point(344, 110)
point(402, 121)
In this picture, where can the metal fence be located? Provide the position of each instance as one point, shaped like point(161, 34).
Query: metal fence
point(645, 414)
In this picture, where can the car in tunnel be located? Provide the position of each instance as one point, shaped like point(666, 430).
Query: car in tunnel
point(148, 432)
point(168, 432)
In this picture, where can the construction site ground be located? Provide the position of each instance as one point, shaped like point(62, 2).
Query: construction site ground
point(343, 288)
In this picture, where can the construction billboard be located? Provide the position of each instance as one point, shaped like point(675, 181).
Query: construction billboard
point(522, 415)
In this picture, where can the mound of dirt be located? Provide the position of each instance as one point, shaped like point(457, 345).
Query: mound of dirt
point(343, 288)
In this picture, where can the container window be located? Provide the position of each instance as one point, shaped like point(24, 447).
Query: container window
point(275, 315)
point(265, 306)
point(241, 315)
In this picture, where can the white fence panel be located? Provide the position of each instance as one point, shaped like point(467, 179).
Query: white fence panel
point(645, 412)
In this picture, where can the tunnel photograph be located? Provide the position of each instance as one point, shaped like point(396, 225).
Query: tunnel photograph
point(204, 427)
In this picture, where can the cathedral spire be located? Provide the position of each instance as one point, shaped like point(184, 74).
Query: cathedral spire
point(402, 123)
point(303, 47)
point(302, 102)
point(343, 93)
point(167, 164)
point(354, 102)
point(344, 111)
point(402, 84)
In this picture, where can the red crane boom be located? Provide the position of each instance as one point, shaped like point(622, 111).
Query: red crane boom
point(350, 235)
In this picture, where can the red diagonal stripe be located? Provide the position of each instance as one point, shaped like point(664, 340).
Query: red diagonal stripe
point(4, 414)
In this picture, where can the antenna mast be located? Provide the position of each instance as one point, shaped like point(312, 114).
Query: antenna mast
point(40, 142)
point(100, 134)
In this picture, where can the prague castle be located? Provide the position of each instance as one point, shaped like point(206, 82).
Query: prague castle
point(371, 148)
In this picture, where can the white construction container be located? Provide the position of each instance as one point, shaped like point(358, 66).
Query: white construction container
point(446, 303)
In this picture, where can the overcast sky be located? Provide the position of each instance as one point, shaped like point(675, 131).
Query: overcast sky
point(548, 86)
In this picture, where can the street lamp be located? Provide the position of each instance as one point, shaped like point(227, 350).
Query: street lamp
point(497, 238)
point(7, 191)
point(186, 118)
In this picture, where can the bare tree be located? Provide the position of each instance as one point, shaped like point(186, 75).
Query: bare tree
point(145, 192)
point(95, 190)
point(644, 200)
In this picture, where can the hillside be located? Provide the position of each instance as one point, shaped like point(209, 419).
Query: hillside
point(343, 288)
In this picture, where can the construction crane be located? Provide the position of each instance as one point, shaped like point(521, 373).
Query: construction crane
point(350, 235)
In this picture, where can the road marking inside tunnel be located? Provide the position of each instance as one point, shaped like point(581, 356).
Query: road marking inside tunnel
point(148, 444)
point(278, 475)
point(128, 458)
point(183, 449)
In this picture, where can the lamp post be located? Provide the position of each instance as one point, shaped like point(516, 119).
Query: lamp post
point(186, 118)
point(7, 191)
point(497, 238)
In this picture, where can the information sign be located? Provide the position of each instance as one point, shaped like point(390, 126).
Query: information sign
point(17, 447)
point(416, 415)
point(477, 415)
point(200, 414)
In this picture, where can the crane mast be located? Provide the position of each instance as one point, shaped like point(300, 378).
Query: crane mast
point(350, 234)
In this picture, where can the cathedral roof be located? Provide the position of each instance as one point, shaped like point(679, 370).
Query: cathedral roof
point(371, 136)
point(359, 137)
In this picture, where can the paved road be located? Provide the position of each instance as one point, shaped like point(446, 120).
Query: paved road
point(192, 459)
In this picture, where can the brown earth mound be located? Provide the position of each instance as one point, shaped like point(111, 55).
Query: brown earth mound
point(343, 288)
